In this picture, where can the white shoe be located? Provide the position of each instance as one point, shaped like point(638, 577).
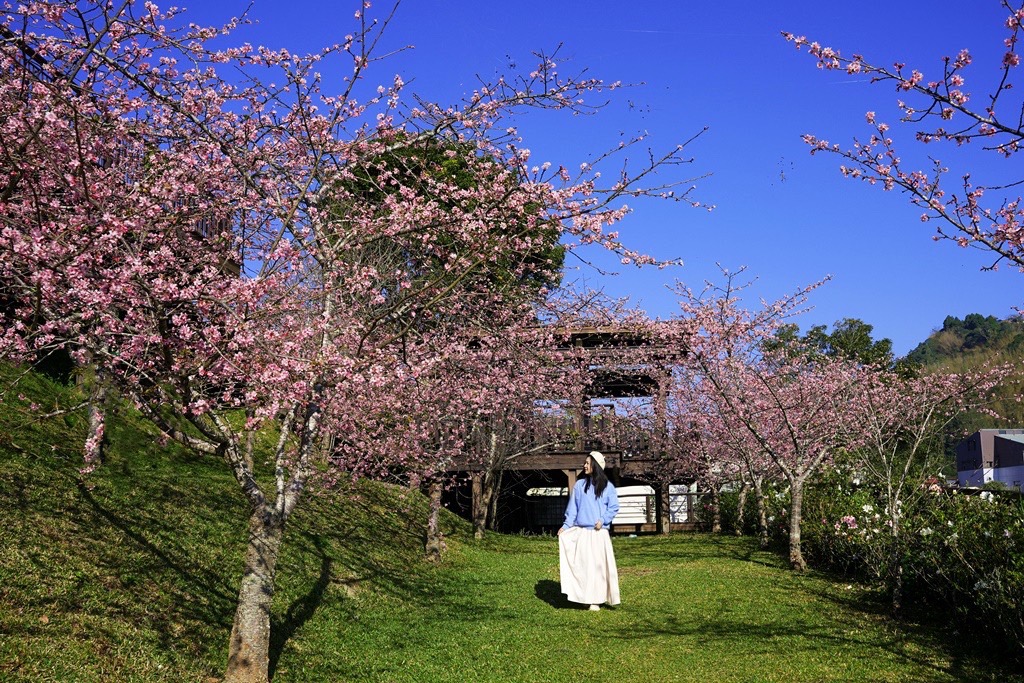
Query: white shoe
point(595, 608)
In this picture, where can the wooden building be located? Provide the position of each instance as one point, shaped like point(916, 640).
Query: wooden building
point(628, 459)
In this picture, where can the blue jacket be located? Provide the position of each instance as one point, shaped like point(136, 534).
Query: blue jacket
point(585, 508)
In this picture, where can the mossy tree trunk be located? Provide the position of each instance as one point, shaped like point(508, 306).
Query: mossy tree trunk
point(716, 509)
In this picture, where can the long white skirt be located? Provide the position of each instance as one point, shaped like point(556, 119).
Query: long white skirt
point(587, 566)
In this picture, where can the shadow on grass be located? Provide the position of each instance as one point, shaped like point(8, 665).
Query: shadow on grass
point(194, 590)
point(301, 609)
point(112, 559)
point(972, 658)
point(381, 544)
point(204, 580)
point(726, 633)
point(200, 594)
point(551, 592)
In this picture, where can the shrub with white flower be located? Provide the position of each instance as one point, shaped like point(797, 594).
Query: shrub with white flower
point(961, 556)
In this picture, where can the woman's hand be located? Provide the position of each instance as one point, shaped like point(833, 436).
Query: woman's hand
point(598, 525)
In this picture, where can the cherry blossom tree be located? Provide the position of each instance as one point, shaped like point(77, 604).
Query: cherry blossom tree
point(191, 220)
point(697, 441)
point(792, 405)
point(942, 109)
point(796, 411)
point(755, 470)
point(512, 378)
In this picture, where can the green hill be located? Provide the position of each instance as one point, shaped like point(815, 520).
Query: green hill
point(975, 335)
point(970, 344)
point(130, 574)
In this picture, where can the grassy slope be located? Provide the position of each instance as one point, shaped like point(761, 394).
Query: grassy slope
point(132, 574)
point(131, 577)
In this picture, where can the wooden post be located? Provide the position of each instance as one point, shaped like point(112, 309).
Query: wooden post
point(657, 507)
point(577, 412)
point(570, 475)
point(579, 420)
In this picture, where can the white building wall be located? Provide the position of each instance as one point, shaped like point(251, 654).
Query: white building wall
point(976, 478)
point(635, 501)
point(679, 503)
point(633, 504)
point(1013, 477)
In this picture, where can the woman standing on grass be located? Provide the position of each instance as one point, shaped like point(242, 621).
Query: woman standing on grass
point(586, 561)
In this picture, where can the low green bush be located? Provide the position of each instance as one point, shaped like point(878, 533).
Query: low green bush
point(967, 556)
point(958, 555)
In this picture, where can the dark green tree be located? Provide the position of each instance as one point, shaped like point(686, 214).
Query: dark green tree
point(850, 339)
point(432, 170)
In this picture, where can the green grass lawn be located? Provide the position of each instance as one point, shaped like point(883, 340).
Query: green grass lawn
point(695, 608)
point(131, 576)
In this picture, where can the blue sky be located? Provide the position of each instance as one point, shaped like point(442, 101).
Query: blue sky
point(790, 218)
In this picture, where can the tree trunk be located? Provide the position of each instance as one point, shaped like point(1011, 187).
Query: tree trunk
point(716, 510)
point(895, 568)
point(897, 589)
point(481, 499)
point(492, 508)
point(96, 438)
point(249, 649)
point(741, 504)
point(664, 509)
point(796, 556)
point(762, 513)
point(434, 544)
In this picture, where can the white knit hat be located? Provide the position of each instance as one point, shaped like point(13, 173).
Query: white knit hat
point(598, 458)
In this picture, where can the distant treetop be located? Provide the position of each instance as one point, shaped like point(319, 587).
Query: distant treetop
point(850, 338)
